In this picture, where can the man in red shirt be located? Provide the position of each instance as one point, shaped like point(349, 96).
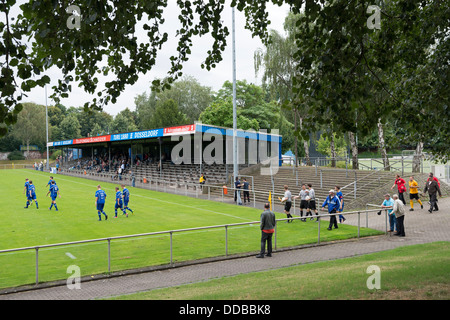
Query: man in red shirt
point(400, 183)
point(431, 176)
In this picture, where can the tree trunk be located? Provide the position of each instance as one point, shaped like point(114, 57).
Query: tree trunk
point(382, 146)
point(417, 160)
point(305, 144)
point(354, 147)
point(333, 152)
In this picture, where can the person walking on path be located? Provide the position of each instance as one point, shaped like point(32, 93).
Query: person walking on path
point(334, 205)
point(433, 189)
point(414, 193)
point(400, 183)
point(267, 226)
point(399, 210)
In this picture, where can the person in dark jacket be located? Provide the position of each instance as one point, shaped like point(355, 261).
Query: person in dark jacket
point(267, 226)
point(433, 189)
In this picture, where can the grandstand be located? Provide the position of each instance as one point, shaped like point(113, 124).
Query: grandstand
point(144, 159)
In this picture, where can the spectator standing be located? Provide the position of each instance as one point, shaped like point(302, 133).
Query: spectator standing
point(389, 203)
point(267, 227)
point(237, 192)
point(399, 210)
point(245, 185)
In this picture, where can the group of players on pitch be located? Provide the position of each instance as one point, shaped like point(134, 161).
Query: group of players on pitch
point(121, 201)
point(334, 202)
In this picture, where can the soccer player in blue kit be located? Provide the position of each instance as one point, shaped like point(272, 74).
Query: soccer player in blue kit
point(119, 203)
point(54, 193)
point(126, 199)
point(100, 197)
point(26, 190)
point(32, 195)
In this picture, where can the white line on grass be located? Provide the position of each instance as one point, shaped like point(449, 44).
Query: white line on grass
point(71, 256)
point(156, 199)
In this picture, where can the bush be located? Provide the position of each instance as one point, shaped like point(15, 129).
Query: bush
point(16, 155)
point(55, 154)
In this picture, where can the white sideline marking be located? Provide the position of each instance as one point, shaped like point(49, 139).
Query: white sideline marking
point(71, 256)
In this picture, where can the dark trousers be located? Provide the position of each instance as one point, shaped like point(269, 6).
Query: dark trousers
point(401, 197)
point(400, 226)
point(333, 220)
point(247, 196)
point(433, 202)
point(266, 237)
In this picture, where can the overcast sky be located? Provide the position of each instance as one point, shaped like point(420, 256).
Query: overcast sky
point(245, 48)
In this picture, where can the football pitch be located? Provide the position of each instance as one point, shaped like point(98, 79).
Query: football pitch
point(154, 211)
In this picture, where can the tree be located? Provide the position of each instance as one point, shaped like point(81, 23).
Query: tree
point(337, 55)
point(167, 114)
point(280, 67)
point(341, 63)
point(192, 98)
point(145, 107)
point(253, 111)
point(70, 127)
point(30, 127)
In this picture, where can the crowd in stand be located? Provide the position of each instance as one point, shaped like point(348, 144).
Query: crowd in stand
point(120, 162)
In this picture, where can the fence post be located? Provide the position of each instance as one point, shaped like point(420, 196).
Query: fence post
point(354, 187)
point(359, 223)
point(275, 240)
point(226, 240)
point(318, 232)
point(171, 249)
point(37, 265)
point(109, 255)
point(321, 178)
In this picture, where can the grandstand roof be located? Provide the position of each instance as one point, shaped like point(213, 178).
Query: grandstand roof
point(169, 131)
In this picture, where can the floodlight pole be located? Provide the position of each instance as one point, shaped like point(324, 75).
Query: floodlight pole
point(235, 164)
point(46, 126)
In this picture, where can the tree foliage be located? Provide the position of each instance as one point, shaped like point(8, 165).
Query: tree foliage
point(341, 63)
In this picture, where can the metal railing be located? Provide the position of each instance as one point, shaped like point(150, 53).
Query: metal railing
point(171, 232)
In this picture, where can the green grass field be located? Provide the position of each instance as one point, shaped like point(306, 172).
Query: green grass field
point(418, 272)
point(154, 211)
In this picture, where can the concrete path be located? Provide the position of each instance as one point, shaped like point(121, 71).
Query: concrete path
point(421, 227)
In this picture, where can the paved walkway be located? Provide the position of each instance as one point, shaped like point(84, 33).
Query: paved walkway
point(421, 227)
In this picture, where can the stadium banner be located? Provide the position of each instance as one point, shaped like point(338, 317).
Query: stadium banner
point(92, 139)
point(137, 135)
point(250, 134)
point(180, 130)
point(60, 143)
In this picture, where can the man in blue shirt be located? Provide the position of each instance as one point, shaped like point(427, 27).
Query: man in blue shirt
point(32, 194)
point(100, 197)
point(389, 203)
point(49, 183)
point(341, 199)
point(119, 203)
point(126, 199)
point(26, 190)
point(334, 205)
point(54, 193)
